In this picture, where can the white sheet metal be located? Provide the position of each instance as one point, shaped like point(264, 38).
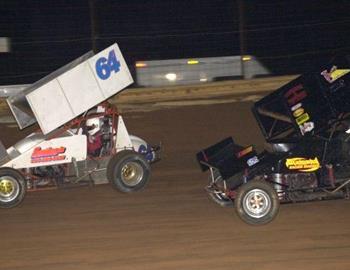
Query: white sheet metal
point(10, 90)
point(84, 79)
point(120, 79)
point(123, 138)
point(52, 152)
point(50, 106)
point(75, 88)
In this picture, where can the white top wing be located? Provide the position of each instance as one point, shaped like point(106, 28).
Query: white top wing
point(72, 90)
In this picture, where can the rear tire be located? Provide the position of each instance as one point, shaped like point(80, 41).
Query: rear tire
point(128, 171)
point(257, 202)
point(12, 187)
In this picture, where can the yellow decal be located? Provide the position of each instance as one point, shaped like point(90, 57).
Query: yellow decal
point(244, 151)
point(298, 112)
point(302, 119)
point(336, 74)
point(303, 164)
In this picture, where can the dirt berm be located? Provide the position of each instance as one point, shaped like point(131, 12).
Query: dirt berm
point(200, 91)
point(133, 98)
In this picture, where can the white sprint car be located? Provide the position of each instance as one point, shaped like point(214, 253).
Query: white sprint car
point(82, 138)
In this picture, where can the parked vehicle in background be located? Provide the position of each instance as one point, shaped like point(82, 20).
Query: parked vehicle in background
point(171, 72)
point(197, 70)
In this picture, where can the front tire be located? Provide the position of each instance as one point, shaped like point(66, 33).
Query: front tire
point(12, 187)
point(257, 202)
point(128, 171)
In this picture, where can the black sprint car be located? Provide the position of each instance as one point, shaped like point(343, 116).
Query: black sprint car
point(306, 124)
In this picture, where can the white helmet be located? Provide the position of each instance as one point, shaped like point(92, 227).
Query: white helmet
point(93, 125)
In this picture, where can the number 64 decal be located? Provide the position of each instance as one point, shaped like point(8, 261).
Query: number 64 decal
point(104, 67)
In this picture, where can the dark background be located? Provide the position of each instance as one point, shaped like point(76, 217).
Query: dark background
point(289, 37)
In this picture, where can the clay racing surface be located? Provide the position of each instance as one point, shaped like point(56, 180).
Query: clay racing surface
point(171, 225)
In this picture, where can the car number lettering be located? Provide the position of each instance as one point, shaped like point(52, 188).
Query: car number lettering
point(104, 67)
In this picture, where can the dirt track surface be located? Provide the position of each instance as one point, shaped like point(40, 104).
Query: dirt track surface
point(171, 224)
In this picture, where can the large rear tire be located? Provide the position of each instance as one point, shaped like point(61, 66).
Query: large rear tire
point(128, 171)
point(12, 187)
point(257, 202)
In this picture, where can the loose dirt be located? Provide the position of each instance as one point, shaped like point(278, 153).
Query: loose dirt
point(171, 224)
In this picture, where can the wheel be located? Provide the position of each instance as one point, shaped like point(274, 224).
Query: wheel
point(128, 171)
point(216, 193)
point(257, 202)
point(12, 187)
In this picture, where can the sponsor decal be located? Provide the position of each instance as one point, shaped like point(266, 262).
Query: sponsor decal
point(252, 161)
point(294, 97)
point(48, 154)
point(298, 112)
point(244, 152)
point(306, 127)
point(334, 74)
point(302, 119)
point(295, 94)
point(303, 164)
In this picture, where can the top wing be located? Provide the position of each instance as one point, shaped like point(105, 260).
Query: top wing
point(306, 105)
point(71, 90)
point(10, 90)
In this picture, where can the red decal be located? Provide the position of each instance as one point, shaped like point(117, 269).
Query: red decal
point(295, 94)
point(48, 154)
point(244, 152)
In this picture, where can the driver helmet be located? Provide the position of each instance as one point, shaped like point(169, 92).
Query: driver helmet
point(93, 125)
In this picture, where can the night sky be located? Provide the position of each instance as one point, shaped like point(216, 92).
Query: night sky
point(288, 36)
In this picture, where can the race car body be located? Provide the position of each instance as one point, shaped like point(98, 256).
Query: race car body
point(307, 155)
point(82, 138)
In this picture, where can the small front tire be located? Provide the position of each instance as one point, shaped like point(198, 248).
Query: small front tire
point(128, 171)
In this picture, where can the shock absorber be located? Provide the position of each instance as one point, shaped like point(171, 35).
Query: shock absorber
point(278, 184)
point(331, 177)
